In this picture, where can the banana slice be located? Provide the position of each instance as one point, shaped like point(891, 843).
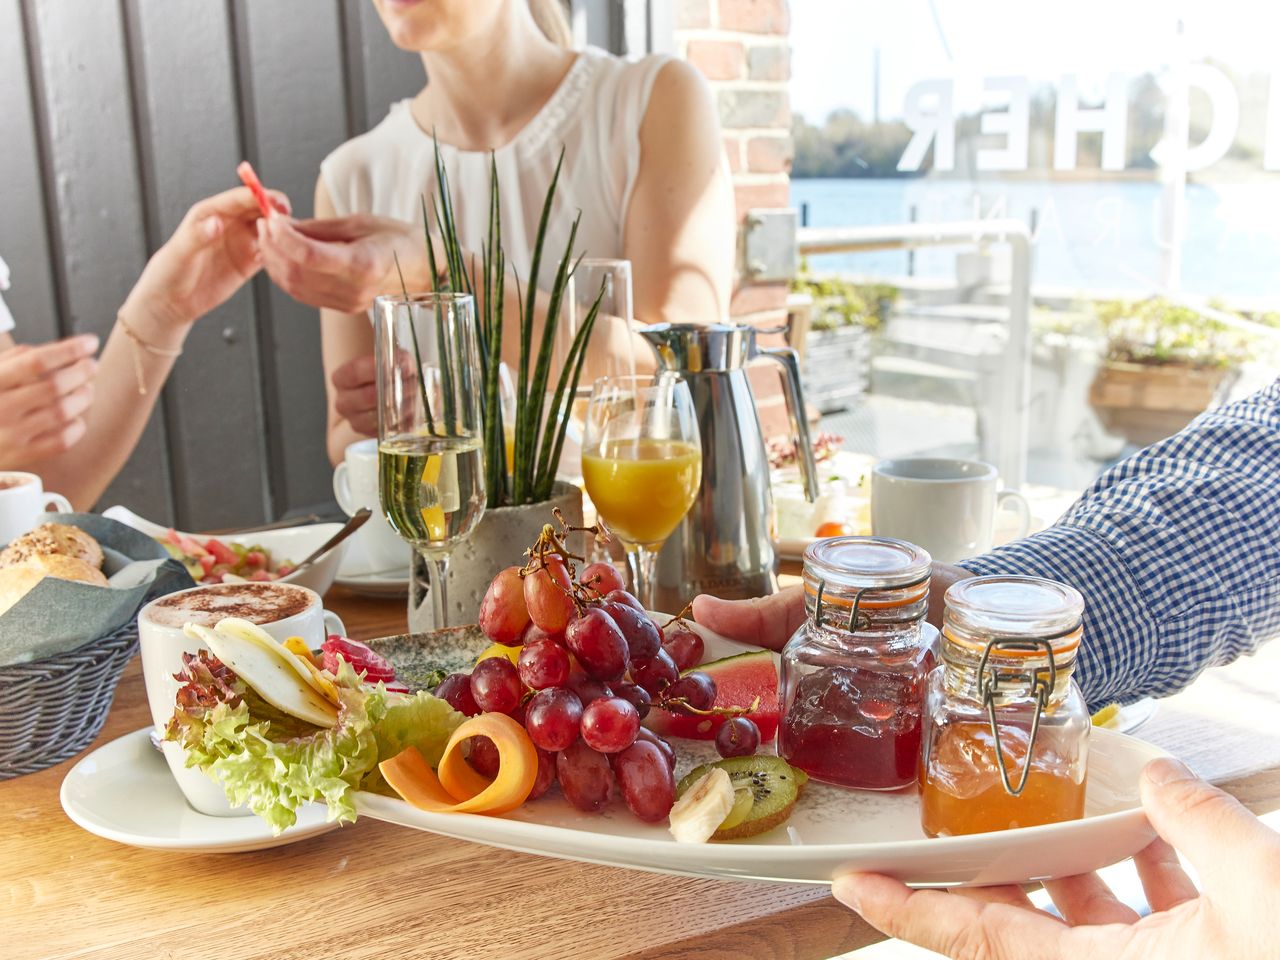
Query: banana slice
point(272, 673)
point(699, 813)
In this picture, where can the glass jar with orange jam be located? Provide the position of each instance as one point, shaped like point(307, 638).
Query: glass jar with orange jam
point(1006, 730)
point(852, 680)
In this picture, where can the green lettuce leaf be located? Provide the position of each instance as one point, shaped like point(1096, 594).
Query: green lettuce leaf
point(274, 763)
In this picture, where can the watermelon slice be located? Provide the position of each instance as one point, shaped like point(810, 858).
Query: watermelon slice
point(739, 680)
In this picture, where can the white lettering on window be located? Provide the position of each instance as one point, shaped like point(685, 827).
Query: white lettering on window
point(1224, 111)
point(929, 126)
point(1014, 122)
point(1109, 120)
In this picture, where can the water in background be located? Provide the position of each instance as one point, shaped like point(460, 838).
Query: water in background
point(1101, 236)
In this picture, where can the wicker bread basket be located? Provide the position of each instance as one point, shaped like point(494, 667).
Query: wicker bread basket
point(51, 709)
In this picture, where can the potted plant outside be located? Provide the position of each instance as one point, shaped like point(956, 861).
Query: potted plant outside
point(1163, 365)
point(522, 490)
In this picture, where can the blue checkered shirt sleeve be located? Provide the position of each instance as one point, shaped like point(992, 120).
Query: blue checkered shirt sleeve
point(1176, 551)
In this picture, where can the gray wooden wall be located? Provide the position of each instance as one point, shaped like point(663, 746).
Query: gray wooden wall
point(115, 116)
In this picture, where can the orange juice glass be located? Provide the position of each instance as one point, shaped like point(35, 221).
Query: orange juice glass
point(642, 464)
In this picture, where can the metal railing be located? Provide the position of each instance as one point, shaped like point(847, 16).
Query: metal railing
point(1015, 375)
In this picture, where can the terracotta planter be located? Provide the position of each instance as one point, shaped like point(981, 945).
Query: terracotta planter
point(498, 541)
point(1145, 402)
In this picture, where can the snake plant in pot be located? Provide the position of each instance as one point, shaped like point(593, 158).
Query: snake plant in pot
point(520, 482)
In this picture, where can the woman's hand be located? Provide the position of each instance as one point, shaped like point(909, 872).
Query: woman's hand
point(1237, 858)
point(45, 395)
point(355, 395)
point(343, 263)
point(210, 256)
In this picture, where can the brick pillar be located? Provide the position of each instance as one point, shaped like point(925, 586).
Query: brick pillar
point(742, 48)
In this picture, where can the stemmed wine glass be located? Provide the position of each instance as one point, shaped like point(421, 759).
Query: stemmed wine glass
point(642, 464)
point(612, 350)
point(430, 431)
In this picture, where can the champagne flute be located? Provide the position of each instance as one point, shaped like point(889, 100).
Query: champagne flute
point(430, 432)
point(611, 351)
point(642, 464)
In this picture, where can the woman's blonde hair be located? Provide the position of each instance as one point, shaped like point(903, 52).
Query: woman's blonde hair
point(553, 21)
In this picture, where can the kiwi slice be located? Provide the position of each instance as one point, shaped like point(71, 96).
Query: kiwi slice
point(772, 784)
point(744, 799)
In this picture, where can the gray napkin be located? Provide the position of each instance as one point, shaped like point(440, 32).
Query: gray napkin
point(58, 616)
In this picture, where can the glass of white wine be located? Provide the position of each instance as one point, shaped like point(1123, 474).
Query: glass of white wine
point(430, 431)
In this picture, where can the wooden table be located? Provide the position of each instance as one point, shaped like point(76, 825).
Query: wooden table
point(372, 890)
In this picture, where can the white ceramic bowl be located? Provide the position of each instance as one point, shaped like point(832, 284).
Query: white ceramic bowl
point(291, 543)
point(295, 543)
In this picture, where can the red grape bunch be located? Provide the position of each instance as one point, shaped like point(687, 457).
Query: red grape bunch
point(592, 664)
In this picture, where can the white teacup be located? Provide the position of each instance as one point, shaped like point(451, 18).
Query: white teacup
point(22, 500)
point(375, 547)
point(942, 504)
point(282, 609)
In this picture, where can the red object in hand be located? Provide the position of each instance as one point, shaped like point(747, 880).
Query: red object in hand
point(250, 179)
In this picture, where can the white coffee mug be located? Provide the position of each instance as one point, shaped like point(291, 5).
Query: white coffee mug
point(375, 547)
point(282, 609)
point(942, 504)
point(22, 500)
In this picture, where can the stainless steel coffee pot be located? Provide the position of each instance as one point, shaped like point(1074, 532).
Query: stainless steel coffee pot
point(724, 546)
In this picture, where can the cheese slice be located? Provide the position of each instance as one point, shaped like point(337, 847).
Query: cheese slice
point(252, 633)
point(268, 672)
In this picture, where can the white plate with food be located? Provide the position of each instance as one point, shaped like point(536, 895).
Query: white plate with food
point(308, 715)
point(831, 829)
point(254, 555)
point(123, 791)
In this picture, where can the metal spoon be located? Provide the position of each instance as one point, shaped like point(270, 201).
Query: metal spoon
point(351, 526)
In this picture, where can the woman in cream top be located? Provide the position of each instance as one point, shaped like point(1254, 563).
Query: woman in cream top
point(642, 162)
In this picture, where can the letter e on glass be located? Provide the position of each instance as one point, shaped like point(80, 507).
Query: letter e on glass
point(1014, 122)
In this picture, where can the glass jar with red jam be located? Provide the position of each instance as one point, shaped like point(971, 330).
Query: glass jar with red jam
point(1006, 731)
point(853, 675)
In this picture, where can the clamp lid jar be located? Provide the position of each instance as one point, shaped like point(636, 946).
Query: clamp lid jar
point(853, 674)
point(1006, 727)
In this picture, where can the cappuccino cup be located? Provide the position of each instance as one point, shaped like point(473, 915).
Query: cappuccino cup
point(947, 506)
point(375, 547)
point(22, 501)
point(281, 609)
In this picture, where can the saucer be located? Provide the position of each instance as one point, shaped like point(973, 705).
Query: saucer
point(123, 791)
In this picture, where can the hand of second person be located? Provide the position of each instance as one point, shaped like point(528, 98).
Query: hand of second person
point(763, 622)
point(45, 395)
point(770, 621)
point(211, 254)
point(342, 263)
point(355, 395)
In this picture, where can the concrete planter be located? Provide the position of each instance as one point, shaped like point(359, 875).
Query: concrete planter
point(498, 541)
